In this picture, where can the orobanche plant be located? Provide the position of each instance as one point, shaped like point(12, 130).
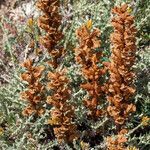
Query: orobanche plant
point(108, 83)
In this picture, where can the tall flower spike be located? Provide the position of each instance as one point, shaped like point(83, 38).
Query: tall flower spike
point(62, 114)
point(50, 22)
point(34, 93)
point(121, 87)
point(87, 56)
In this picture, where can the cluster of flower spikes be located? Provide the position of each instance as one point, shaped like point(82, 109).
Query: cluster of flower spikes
point(50, 23)
point(35, 92)
point(87, 56)
point(121, 87)
point(62, 114)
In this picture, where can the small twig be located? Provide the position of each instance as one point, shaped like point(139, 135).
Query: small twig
point(101, 124)
point(133, 130)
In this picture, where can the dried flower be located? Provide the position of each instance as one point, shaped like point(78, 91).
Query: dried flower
point(50, 22)
point(121, 87)
point(117, 142)
point(145, 121)
point(62, 114)
point(34, 93)
point(86, 55)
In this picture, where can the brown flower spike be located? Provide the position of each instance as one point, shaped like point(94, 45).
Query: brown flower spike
point(87, 56)
point(62, 114)
point(50, 22)
point(34, 93)
point(121, 87)
point(117, 142)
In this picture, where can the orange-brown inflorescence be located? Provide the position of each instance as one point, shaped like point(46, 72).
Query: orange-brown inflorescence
point(34, 93)
point(62, 114)
point(88, 57)
point(117, 142)
point(50, 22)
point(121, 87)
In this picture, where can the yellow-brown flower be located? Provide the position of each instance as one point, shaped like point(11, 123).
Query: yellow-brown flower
point(121, 87)
point(145, 121)
point(87, 56)
point(117, 142)
point(62, 113)
point(50, 22)
point(34, 93)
